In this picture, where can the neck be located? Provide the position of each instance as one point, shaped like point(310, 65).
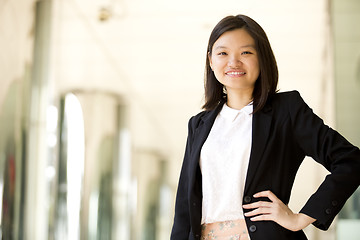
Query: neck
point(237, 100)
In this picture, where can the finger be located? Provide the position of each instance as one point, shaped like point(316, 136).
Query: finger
point(257, 205)
point(267, 194)
point(251, 213)
point(259, 211)
point(263, 217)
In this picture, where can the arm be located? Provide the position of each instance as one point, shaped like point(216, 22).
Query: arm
point(181, 226)
point(335, 153)
point(328, 148)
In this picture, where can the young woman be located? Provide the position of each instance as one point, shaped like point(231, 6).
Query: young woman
point(244, 150)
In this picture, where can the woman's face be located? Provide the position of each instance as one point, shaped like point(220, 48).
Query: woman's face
point(234, 61)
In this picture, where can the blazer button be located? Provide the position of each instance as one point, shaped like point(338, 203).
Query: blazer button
point(247, 199)
point(334, 203)
point(328, 211)
point(252, 228)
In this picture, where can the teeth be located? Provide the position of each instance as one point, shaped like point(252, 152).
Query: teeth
point(235, 73)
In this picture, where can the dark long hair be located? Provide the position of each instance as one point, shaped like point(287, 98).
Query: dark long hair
point(265, 85)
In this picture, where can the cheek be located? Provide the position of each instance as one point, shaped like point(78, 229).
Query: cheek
point(218, 61)
point(255, 66)
point(216, 68)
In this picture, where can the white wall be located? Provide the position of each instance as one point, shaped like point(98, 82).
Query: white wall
point(16, 42)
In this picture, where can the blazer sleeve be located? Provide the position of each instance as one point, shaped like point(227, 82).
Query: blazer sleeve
point(335, 153)
point(181, 226)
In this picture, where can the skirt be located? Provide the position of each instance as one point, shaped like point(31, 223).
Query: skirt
point(228, 230)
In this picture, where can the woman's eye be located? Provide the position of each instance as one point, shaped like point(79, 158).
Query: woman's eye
point(246, 52)
point(222, 53)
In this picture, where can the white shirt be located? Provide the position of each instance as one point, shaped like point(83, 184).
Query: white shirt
point(224, 161)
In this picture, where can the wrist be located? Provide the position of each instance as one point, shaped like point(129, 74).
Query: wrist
point(303, 221)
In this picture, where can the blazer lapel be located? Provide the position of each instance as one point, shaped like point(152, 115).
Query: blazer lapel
point(260, 133)
point(200, 135)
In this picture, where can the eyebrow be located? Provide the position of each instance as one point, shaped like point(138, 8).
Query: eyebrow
point(245, 46)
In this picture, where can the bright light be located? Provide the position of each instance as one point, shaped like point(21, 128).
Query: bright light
point(75, 162)
point(51, 119)
point(50, 172)
point(51, 125)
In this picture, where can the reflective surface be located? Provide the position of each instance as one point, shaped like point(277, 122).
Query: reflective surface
point(91, 134)
point(10, 165)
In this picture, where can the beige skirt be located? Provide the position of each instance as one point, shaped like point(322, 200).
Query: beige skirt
point(228, 230)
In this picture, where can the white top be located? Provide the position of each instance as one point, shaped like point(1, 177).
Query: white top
point(224, 161)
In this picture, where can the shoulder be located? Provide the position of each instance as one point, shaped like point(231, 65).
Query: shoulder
point(287, 96)
point(199, 115)
point(285, 104)
point(286, 100)
point(194, 121)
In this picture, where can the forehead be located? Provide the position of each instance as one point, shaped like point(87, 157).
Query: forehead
point(235, 38)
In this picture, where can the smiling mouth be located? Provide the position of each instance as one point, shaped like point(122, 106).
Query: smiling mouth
point(235, 73)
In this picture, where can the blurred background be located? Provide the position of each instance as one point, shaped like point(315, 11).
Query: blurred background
point(95, 97)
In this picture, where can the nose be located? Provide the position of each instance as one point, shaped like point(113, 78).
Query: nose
point(234, 61)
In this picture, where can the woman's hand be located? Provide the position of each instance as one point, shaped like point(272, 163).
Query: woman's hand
point(278, 212)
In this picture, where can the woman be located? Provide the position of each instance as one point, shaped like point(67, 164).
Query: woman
point(244, 150)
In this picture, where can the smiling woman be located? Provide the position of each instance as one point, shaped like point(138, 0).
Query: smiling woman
point(249, 39)
point(243, 152)
point(234, 61)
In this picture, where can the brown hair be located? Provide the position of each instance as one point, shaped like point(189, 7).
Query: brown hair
point(265, 85)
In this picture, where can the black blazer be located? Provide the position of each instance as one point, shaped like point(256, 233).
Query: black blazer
point(284, 132)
